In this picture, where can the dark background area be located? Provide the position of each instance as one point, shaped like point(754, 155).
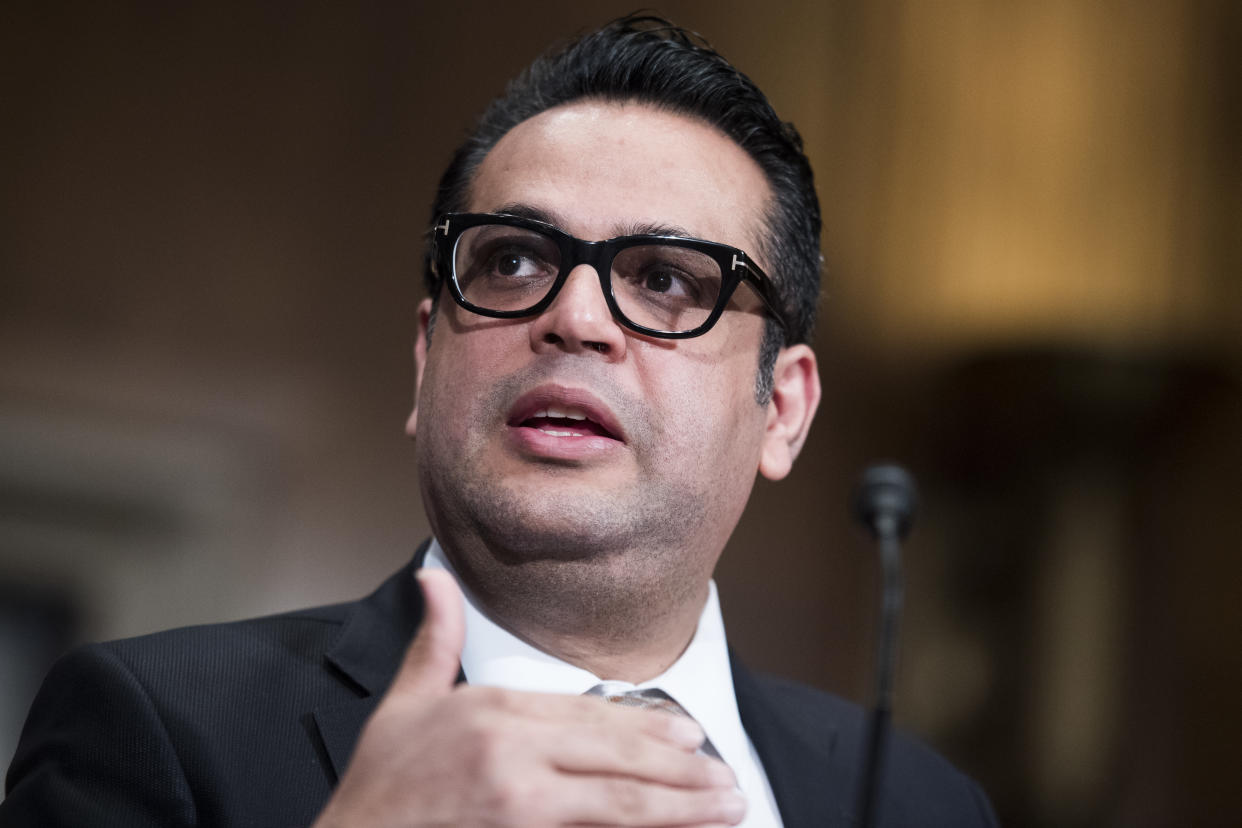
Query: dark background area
point(210, 240)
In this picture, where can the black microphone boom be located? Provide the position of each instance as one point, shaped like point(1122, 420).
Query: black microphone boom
point(885, 502)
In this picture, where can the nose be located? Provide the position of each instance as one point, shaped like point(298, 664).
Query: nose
point(578, 319)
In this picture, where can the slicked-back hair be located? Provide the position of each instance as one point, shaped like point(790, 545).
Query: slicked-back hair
point(645, 59)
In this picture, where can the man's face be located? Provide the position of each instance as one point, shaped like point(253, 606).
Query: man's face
point(642, 493)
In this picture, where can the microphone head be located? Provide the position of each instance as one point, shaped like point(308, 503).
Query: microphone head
point(886, 495)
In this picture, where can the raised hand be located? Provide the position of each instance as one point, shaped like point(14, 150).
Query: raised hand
point(437, 753)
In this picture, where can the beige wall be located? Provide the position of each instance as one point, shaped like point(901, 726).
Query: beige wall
point(209, 265)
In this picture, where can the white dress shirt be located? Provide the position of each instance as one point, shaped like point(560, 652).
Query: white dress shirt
point(700, 680)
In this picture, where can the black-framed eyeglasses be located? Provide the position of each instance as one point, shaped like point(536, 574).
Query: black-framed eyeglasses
point(670, 287)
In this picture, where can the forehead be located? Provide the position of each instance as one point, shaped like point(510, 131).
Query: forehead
point(603, 169)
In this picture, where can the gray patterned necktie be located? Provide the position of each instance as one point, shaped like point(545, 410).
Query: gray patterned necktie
point(650, 698)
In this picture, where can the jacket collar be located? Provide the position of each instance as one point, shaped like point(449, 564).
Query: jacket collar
point(797, 744)
point(366, 656)
point(798, 750)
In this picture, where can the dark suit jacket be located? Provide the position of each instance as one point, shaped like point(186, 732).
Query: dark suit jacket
point(251, 723)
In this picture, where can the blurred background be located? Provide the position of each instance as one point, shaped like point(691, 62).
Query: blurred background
point(209, 265)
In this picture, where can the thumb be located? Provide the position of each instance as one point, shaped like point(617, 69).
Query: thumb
point(434, 656)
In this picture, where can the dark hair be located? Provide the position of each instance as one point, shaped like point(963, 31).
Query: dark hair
point(649, 60)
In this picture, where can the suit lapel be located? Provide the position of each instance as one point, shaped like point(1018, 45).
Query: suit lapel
point(796, 749)
point(366, 655)
point(797, 746)
point(339, 727)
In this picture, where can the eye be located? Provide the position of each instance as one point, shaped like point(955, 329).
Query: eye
point(514, 263)
point(504, 268)
point(669, 282)
point(670, 277)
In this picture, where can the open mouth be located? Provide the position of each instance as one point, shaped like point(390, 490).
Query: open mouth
point(565, 422)
point(564, 413)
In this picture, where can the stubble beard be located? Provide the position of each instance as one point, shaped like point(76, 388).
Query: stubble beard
point(566, 558)
point(611, 570)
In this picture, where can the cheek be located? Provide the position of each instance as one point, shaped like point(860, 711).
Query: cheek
point(710, 418)
point(465, 365)
point(447, 392)
point(462, 356)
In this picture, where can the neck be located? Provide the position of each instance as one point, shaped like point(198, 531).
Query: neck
point(604, 618)
point(636, 652)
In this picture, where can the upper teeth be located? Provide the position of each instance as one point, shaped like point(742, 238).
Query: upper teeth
point(566, 413)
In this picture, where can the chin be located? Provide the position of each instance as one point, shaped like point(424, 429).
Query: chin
point(532, 536)
point(566, 517)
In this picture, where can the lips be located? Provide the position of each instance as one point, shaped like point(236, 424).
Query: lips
point(565, 413)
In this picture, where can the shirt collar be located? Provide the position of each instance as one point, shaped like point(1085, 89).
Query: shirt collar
point(700, 680)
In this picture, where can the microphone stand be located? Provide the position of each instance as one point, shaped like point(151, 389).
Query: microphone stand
point(885, 504)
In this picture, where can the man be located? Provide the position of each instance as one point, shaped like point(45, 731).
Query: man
point(589, 419)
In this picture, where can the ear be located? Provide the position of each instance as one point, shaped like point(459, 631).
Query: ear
point(420, 361)
point(795, 397)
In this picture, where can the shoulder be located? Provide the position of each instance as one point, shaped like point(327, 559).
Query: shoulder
point(262, 671)
point(802, 700)
point(921, 787)
point(282, 658)
point(209, 650)
point(813, 708)
point(208, 665)
point(153, 729)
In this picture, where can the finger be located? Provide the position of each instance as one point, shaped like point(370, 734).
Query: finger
point(433, 659)
point(680, 731)
point(695, 825)
point(611, 801)
point(606, 751)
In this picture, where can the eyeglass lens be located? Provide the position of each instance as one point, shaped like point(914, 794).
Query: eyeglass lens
point(662, 286)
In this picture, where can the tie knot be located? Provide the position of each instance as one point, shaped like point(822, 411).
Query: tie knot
point(648, 698)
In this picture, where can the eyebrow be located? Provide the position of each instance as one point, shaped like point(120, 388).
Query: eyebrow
point(642, 228)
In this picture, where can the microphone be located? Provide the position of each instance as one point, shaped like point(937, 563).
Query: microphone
point(884, 502)
point(886, 492)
